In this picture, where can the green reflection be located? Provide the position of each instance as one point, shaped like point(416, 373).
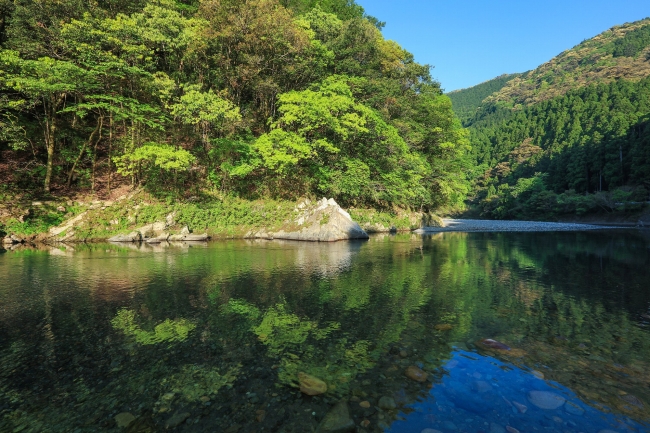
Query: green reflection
point(168, 331)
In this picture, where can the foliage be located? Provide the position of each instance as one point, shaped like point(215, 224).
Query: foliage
point(273, 99)
point(467, 101)
point(591, 140)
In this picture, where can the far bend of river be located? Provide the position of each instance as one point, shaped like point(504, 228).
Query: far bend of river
point(212, 337)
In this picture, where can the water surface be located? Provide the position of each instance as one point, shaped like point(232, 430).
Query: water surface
point(211, 337)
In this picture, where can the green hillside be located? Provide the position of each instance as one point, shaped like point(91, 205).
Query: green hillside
point(570, 137)
point(465, 102)
point(618, 53)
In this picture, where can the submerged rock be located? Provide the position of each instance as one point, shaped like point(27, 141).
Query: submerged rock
point(311, 385)
point(416, 373)
point(629, 398)
point(573, 409)
point(387, 403)
point(522, 408)
point(124, 419)
point(177, 419)
point(493, 344)
point(326, 222)
point(337, 420)
point(545, 399)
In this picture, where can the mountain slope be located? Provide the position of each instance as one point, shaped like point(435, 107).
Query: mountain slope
point(467, 101)
point(622, 52)
point(571, 136)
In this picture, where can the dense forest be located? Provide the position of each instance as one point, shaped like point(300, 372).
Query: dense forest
point(571, 137)
point(467, 101)
point(245, 98)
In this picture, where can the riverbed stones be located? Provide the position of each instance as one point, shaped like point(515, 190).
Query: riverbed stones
point(387, 403)
point(573, 409)
point(416, 373)
point(494, 344)
point(311, 385)
point(337, 420)
point(546, 399)
point(522, 408)
point(629, 398)
point(124, 419)
point(177, 419)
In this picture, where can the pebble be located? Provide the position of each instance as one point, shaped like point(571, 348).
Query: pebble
point(573, 409)
point(520, 407)
point(311, 385)
point(403, 353)
point(416, 373)
point(365, 404)
point(176, 420)
point(632, 400)
point(365, 423)
point(493, 344)
point(448, 425)
point(511, 429)
point(124, 419)
point(387, 403)
point(337, 419)
point(538, 374)
point(545, 399)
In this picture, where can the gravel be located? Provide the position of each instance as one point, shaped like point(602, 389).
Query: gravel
point(457, 225)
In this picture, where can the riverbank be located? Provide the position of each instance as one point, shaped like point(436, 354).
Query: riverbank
point(212, 217)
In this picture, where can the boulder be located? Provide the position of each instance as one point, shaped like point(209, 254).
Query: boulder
point(337, 420)
point(158, 239)
point(325, 221)
point(134, 236)
point(188, 237)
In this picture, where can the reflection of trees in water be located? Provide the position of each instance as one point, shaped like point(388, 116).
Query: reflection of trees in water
point(335, 311)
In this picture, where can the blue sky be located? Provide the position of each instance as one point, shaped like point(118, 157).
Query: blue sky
point(471, 41)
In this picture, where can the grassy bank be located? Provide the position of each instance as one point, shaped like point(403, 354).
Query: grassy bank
point(219, 217)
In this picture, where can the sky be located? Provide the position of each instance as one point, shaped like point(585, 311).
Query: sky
point(471, 41)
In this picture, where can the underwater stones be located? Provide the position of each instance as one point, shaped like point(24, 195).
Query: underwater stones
point(416, 373)
point(629, 398)
point(176, 420)
point(511, 429)
point(545, 399)
point(481, 386)
point(538, 374)
point(493, 344)
point(387, 403)
point(522, 408)
point(337, 420)
point(311, 385)
point(124, 419)
point(573, 409)
point(365, 404)
point(496, 428)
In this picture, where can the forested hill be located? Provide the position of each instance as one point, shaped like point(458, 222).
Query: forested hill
point(245, 98)
point(618, 53)
point(570, 137)
point(465, 102)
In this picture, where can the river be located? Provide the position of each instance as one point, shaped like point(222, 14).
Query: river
point(506, 331)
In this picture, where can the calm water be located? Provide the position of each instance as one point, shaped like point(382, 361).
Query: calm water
point(211, 338)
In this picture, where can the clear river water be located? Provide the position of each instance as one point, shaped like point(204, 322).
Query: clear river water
point(449, 332)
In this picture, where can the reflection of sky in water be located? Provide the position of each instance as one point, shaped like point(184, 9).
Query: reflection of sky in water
point(482, 394)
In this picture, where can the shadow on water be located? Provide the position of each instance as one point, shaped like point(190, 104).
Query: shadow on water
point(213, 336)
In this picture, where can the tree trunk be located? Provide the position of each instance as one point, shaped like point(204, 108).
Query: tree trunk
point(50, 129)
